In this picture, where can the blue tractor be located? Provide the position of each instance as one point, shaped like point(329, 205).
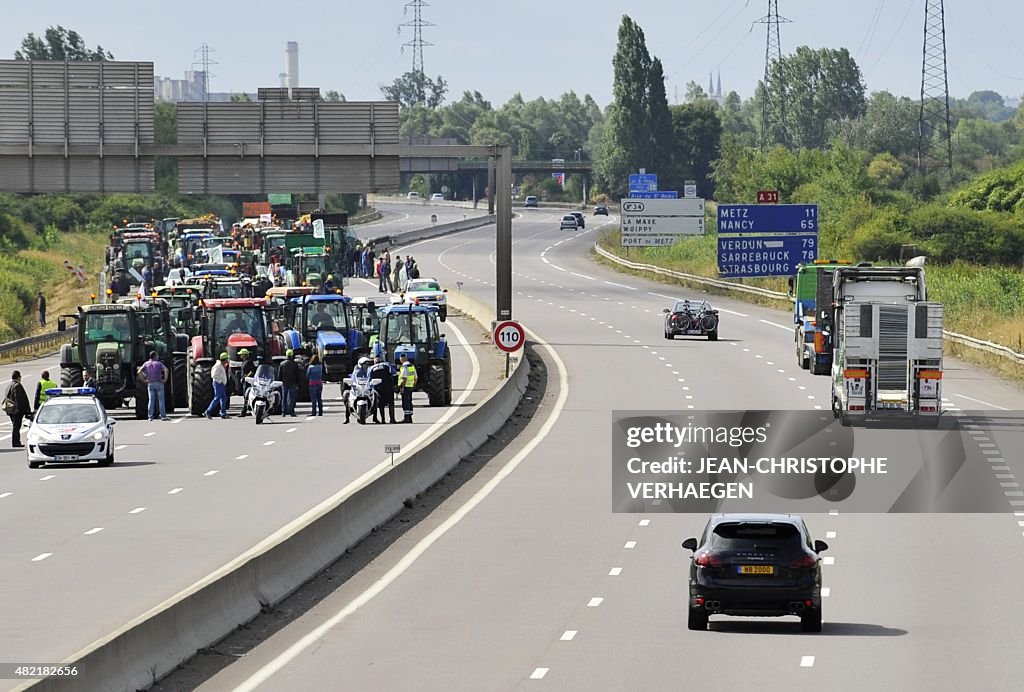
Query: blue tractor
point(321, 324)
point(415, 331)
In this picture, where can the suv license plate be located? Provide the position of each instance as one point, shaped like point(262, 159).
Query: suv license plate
point(756, 569)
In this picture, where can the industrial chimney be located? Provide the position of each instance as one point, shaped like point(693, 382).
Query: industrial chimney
point(291, 64)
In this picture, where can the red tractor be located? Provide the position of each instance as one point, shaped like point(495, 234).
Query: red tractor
point(229, 325)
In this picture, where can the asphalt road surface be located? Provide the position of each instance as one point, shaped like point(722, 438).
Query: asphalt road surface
point(399, 217)
point(525, 579)
point(87, 549)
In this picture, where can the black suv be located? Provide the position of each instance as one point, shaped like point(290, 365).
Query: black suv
point(580, 221)
point(755, 565)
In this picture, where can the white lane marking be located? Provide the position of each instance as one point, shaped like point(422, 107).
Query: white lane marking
point(595, 601)
point(775, 324)
point(291, 430)
point(539, 673)
point(730, 312)
point(211, 473)
point(830, 534)
point(979, 401)
point(558, 268)
point(92, 532)
point(176, 421)
point(149, 434)
point(583, 276)
point(826, 591)
point(807, 661)
point(612, 283)
point(645, 522)
point(5, 437)
point(137, 510)
point(41, 556)
point(614, 571)
point(46, 478)
point(3, 495)
point(833, 512)
point(174, 491)
point(828, 560)
point(629, 545)
point(410, 558)
point(568, 635)
point(241, 457)
point(119, 448)
point(268, 443)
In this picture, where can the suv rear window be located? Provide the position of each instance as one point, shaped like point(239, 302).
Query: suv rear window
point(746, 536)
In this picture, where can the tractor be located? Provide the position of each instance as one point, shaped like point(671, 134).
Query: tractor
point(415, 331)
point(322, 324)
point(114, 340)
point(229, 325)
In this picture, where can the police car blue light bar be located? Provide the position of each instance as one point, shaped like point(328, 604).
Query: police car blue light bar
point(71, 391)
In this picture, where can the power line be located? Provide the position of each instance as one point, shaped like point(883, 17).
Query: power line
point(910, 6)
point(869, 36)
point(417, 24)
point(934, 130)
point(773, 105)
point(714, 38)
point(703, 31)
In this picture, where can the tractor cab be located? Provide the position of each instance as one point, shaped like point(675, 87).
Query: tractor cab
point(415, 331)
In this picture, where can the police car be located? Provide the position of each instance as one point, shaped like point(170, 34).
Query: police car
point(427, 292)
point(71, 426)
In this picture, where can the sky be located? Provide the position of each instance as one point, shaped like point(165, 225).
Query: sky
point(533, 47)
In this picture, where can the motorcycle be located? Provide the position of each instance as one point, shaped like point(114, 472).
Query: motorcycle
point(361, 397)
point(264, 393)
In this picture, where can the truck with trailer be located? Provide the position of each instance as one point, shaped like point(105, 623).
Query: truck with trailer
point(811, 287)
point(887, 344)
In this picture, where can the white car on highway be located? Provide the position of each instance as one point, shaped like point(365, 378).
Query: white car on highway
point(71, 426)
point(427, 292)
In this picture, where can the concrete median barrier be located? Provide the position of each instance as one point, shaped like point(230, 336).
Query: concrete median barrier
point(414, 236)
point(155, 643)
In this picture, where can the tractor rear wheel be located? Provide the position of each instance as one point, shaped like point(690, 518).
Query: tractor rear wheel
point(435, 384)
point(179, 381)
point(71, 376)
point(201, 392)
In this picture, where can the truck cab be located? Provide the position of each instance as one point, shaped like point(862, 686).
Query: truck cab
point(811, 287)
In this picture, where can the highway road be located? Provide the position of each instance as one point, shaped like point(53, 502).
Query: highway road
point(398, 217)
point(85, 550)
point(525, 580)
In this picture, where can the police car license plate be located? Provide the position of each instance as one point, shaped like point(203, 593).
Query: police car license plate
point(66, 457)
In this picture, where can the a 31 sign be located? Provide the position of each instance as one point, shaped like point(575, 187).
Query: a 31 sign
point(509, 336)
point(767, 196)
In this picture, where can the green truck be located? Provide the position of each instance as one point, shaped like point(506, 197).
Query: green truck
point(811, 290)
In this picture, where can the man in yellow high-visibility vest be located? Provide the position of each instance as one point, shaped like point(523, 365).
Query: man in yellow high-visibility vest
point(406, 385)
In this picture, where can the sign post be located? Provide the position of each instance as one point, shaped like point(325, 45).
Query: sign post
point(509, 337)
point(392, 450)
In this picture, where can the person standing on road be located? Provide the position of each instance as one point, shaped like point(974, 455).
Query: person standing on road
point(219, 375)
point(154, 373)
point(88, 380)
point(288, 373)
point(41, 308)
point(406, 385)
point(315, 378)
point(384, 285)
point(16, 407)
point(382, 371)
point(44, 383)
point(396, 273)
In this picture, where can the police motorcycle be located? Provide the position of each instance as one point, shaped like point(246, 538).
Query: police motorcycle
point(264, 393)
point(360, 395)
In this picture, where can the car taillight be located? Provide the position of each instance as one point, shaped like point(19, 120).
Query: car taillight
point(805, 561)
point(708, 560)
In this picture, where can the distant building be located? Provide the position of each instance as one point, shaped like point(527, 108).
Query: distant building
point(188, 89)
point(290, 78)
point(715, 92)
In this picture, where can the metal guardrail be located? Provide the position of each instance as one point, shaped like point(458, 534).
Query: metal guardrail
point(954, 337)
point(399, 239)
point(32, 342)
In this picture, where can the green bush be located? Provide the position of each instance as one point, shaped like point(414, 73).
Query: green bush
point(882, 238)
point(961, 234)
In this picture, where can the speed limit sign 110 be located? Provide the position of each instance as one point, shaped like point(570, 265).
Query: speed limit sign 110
point(509, 336)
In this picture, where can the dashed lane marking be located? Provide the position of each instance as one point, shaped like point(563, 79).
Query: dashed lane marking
point(211, 473)
point(568, 635)
point(137, 510)
point(241, 457)
point(93, 532)
point(46, 478)
point(595, 601)
point(174, 491)
point(614, 571)
point(539, 673)
point(41, 556)
point(807, 661)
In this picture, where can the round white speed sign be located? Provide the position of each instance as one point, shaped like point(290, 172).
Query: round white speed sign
point(509, 336)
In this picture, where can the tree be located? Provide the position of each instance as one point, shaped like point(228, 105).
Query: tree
point(990, 105)
point(627, 141)
point(334, 96)
point(697, 131)
point(241, 98)
point(694, 92)
point(59, 44)
point(663, 136)
point(416, 87)
point(823, 86)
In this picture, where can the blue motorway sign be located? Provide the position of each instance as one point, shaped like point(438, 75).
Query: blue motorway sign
point(778, 255)
point(657, 194)
point(643, 182)
point(767, 218)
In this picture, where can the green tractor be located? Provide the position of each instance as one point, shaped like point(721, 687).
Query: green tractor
point(114, 340)
point(415, 331)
